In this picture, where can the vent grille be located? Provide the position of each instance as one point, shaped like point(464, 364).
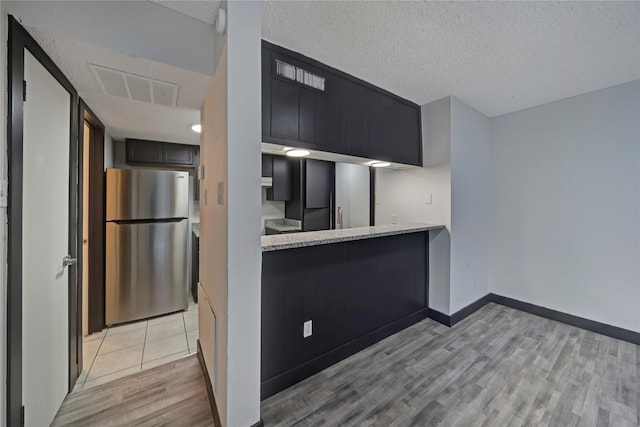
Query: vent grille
point(139, 88)
point(299, 75)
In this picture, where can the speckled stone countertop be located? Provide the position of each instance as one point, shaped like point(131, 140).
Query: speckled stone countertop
point(195, 227)
point(324, 237)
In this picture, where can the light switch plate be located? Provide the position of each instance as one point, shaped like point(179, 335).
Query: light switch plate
point(428, 198)
point(307, 329)
point(221, 193)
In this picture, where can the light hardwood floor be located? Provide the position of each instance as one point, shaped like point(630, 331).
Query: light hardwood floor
point(499, 367)
point(171, 395)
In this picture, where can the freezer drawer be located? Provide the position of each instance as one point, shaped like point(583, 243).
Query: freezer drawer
point(137, 194)
point(146, 270)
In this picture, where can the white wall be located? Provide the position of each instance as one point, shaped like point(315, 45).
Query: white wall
point(352, 194)
point(108, 151)
point(270, 209)
point(245, 251)
point(470, 205)
point(566, 205)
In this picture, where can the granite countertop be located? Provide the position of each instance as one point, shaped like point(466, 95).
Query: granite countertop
point(283, 224)
point(195, 227)
point(323, 237)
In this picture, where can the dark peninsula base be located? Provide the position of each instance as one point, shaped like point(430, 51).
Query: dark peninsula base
point(356, 293)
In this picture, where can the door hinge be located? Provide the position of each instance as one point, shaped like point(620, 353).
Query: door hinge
point(22, 416)
point(24, 90)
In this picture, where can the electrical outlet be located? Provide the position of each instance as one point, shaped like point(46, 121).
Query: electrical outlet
point(394, 219)
point(428, 199)
point(307, 329)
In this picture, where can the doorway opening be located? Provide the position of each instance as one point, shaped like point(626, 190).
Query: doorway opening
point(92, 238)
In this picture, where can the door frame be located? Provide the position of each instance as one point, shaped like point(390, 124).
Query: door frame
point(96, 219)
point(19, 40)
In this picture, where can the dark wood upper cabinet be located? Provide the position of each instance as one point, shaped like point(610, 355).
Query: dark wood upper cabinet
point(267, 165)
point(161, 153)
point(178, 154)
point(139, 151)
point(347, 116)
point(282, 174)
point(284, 110)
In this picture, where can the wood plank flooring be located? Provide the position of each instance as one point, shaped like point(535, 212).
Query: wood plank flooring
point(499, 367)
point(172, 394)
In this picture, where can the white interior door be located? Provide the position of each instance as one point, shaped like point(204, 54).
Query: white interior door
point(45, 237)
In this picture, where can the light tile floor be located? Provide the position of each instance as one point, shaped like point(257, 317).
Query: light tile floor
point(124, 350)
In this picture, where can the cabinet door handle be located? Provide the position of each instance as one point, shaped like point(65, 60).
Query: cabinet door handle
point(331, 213)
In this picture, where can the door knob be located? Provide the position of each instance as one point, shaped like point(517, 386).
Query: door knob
point(68, 260)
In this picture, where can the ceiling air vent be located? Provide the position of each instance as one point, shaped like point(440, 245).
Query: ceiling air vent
point(139, 88)
point(299, 75)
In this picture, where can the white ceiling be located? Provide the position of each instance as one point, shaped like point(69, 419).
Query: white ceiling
point(125, 118)
point(498, 57)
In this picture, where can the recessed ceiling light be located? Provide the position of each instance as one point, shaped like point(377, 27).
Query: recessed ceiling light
point(379, 164)
point(297, 152)
point(197, 128)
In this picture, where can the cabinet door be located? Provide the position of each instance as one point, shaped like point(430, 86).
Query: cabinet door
point(139, 151)
point(267, 166)
point(355, 119)
point(307, 114)
point(177, 154)
point(281, 188)
point(284, 110)
point(396, 132)
point(320, 178)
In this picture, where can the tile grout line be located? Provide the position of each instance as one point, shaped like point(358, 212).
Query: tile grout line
point(186, 335)
point(93, 360)
point(144, 344)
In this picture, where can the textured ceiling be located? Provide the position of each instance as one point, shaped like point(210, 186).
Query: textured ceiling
point(203, 10)
point(126, 118)
point(498, 57)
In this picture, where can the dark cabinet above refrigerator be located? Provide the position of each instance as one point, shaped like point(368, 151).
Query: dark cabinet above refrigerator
point(310, 105)
point(140, 151)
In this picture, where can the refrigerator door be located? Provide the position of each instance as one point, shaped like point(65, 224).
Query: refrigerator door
point(146, 194)
point(146, 270)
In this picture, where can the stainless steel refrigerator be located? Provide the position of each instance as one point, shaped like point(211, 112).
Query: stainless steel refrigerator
point(146, 235)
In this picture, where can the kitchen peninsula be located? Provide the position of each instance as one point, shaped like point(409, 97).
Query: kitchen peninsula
point(329, 294)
